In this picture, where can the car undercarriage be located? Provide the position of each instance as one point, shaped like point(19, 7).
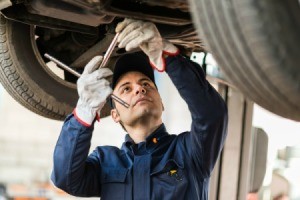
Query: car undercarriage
point(251, 40)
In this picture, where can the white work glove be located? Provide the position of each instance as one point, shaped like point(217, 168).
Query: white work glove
point(136, 33)
point(93, 90)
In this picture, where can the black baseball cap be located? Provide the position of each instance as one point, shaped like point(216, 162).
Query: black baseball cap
point(137, 61)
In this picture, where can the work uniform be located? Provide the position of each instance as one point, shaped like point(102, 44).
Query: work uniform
point(162, 167)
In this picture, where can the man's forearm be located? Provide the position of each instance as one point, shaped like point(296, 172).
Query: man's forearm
point(202, 99)
point(70, 154)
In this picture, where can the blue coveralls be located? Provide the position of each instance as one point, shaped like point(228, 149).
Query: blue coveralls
point(165, 166)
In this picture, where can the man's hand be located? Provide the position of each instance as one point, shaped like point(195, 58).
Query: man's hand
point(135, 33)
point(93, 90)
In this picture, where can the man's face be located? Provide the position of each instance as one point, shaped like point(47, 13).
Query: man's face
point(140, 93)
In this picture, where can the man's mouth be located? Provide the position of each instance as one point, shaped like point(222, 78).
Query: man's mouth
point(142, 99)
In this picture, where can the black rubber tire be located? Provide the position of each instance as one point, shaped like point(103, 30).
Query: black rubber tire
point(25, 78)
point(256, 43)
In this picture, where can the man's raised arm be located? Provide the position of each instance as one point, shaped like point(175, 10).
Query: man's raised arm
point(208, 111)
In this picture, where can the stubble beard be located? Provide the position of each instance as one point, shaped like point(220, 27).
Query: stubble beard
point(144, 116)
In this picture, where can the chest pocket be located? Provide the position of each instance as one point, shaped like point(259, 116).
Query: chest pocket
point(169, 181)
point(113, 181)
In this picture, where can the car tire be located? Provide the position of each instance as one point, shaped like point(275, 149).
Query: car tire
point(24, 76)
point(256, 44)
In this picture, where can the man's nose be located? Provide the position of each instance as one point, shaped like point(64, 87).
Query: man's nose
point(140, 90)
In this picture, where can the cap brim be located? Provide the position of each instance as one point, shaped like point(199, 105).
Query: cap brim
point(137, 61)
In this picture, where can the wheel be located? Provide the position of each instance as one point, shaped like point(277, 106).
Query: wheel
point(256, 43)
point(27, 77)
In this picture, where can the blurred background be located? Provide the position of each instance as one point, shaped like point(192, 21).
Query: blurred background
point(27, 142)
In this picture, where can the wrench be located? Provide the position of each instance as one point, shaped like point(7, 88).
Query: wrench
point(103, 63)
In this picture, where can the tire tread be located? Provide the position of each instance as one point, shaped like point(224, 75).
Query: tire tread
point(16, 87)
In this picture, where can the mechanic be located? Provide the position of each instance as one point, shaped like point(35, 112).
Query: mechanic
point(151, 164)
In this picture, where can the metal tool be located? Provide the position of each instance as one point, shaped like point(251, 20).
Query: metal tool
point(105, 59)
point(62, 65)
point(109, 50)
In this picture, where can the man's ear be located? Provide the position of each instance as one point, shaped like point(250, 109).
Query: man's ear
point(115, 115)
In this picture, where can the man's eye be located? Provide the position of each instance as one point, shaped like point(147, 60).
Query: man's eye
point(146, 84)
point(126, 89)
